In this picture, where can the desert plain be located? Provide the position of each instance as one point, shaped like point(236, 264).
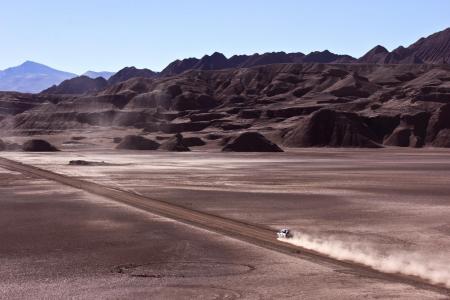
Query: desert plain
point(63, 242)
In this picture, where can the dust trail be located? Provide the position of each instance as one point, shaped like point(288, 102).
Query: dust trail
point(430, 267)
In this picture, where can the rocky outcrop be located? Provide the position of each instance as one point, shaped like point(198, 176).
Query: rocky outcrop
point(175, 143)
point(434, 49)
point(331, 128)
point(218, 61)
point(251, 142)
point(193, 141)
point(136, 142)
point(377, 55)
point(353, 85)
point(442, 139)
point(37, 145)
point(410, 132)
point(366, 104)
point(131, 72)
point(78, 85)
point(440, 120)
point(327, 57)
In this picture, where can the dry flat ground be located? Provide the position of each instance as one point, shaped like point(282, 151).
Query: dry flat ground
point(59, 241)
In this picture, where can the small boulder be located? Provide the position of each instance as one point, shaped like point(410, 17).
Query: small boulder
point(251, 142)
point(36, 145)
point(2, 146)
point(175, 143)
point(86, 163)
point(136, 142)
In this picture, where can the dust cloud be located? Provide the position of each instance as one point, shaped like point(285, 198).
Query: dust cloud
point(430, 267)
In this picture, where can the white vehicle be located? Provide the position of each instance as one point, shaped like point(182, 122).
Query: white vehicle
point(284, 233)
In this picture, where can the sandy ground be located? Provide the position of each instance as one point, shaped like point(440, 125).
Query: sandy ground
point(385, 200)
point(59, 242)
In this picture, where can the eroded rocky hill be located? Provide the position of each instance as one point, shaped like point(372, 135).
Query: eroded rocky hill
point(294, 105)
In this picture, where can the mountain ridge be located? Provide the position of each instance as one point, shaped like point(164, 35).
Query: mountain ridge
point(34, 77)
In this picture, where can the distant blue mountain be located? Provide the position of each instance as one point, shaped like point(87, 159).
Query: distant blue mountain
point(31, 77)
point(104, 74)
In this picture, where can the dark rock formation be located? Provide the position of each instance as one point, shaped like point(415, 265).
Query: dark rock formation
point(86, 163)
point(442, 139)
point(377, 55)
point(130, 72)
point(117, 140)
point(78, 85)
point(366, 104)
point(440, 120)
point(331, 128)
point(2, 145)
point(353, 85)
point(136, 142)
point(217, 61)
point(36, 145)
point(251, 142)
point(175, 143)
point(327, 57)
point(13, 147)
point(410, 132)
point(193, 141)
point(434, 49)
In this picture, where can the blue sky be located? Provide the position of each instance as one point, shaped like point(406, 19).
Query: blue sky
point(110, 34)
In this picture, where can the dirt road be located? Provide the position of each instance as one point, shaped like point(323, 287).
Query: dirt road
point(248, 232)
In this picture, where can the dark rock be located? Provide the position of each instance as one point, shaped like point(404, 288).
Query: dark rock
point(78, 85)
point(250, 113)
point(234, 126)
point(189, 101)
point(78, 138)
point(175, 143)
point(193, 141)
point(207, 116)
point(327, 57)
point(352, 85)
point(251, 142)
point(13, 147)
point(213, 136)
point(117, 140)
point(410, 132)
point(300, 92)
point(183, 127)
point(136, 142)
point(377, 55)
point(438, 121)
point(442, 139)
point(288, 112)
point(161, 138)
point(331, 128)
point(382, 126)
point(87, 163)
point(2, 145)
point(130, 72)
point(38, 146)
point(401, 137)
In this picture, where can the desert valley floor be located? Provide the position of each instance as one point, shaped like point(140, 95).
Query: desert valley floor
point(61, 242)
